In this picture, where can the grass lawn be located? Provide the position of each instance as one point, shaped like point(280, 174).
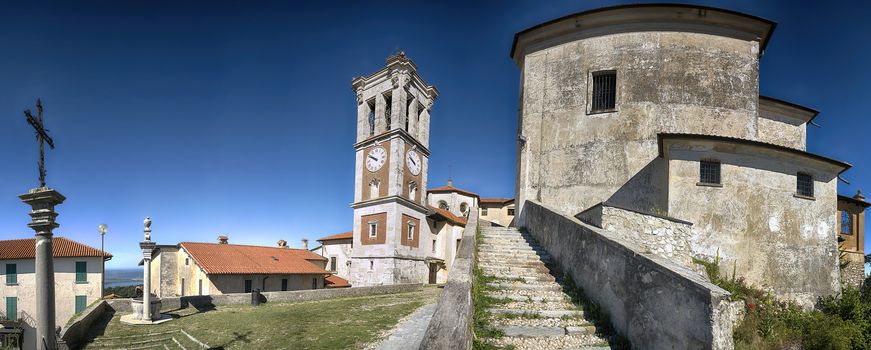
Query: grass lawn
point(349, 323)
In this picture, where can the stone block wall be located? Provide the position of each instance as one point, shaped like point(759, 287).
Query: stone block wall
point(853, 272)
point(657, 234)
point(654, 302)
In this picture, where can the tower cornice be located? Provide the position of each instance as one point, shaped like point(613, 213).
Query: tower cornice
point(391, 135)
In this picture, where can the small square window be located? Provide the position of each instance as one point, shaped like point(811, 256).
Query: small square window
point(709, 172)
point(805, 185)
point(510, 211)
point(483, 211)
point(604, 91)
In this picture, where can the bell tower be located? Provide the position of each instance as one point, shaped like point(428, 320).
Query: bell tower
point(390, 228)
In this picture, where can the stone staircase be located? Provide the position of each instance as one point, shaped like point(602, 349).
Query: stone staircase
point(530, 308)
point(167, 340)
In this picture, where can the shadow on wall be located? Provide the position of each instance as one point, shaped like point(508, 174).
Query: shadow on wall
point(646, 191)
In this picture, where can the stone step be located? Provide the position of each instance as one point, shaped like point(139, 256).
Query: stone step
point(539, 313)
point(516, 263)
point(565, 342)
point(531, 331)
point(506, 256)
point(509, 251)
point(525, 286)
point(525, 277)
point(534, 298)
point(524, 271)
point(513, 248)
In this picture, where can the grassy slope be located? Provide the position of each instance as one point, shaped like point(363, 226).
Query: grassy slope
point(329, 324)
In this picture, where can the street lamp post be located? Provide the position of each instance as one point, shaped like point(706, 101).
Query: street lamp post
point(103, 229)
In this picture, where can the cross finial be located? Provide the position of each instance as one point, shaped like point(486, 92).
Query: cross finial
point(41, 136)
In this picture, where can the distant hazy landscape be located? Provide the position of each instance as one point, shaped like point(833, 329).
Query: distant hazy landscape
point(123, 277)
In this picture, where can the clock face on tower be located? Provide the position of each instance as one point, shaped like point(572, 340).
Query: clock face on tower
point(412, 160)
point(376, 158)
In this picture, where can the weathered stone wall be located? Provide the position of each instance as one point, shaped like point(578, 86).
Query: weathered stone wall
point(657, 234)
point(167, 275)
point(77, 329)
point(450, 327)
point(755, 222)
point(666, 82)
point(654, 302)
point(781, 131)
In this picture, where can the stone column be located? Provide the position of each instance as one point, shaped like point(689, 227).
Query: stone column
point(147, 248)
point(42, 201)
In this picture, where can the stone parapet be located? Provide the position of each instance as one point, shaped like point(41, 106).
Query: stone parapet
point(654, 302)
point(658, 234)
point(450, 327)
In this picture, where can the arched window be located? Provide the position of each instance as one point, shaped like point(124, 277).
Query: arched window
point(412, 191)
point(373, 189)
point(464, 209)
point(444, 205)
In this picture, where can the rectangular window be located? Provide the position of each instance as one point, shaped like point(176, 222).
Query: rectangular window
point(284, 284)
point(247, 286)
point(373, 229)
point(81, 303)
point(433, 246)
point(199, 287)
point(81, 271)
point(187, 261)
point(846, 223)
point(370, 117)
point(11, 273)
point(458, 244)
point(709, 172)
point(510, 211)
point(410, 231)
point(805, 185)
point(314, 283)
point(333, 264)
point(12, 308)
point(483, 211)
point(604, 91)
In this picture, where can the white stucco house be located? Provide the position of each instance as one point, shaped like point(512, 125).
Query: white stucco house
point(78, 280)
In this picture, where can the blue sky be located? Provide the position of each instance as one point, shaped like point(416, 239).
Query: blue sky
point(224, 118)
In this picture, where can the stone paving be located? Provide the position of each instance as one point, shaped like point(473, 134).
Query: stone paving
point(532, 311)
point(409, 332)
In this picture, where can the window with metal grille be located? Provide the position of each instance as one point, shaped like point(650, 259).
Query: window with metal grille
point(846, 223)
point(604, 91)
point(709, 172)
point(510, 211)
point(805, 185)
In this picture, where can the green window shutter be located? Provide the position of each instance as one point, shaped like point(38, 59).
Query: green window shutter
point(81, 303)
point(11, 273)
point(81, 271)
point(11, 308)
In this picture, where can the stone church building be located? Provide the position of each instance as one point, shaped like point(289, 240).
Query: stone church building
point(647, 120)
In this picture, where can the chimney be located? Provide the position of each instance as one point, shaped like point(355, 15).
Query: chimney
point(282, 243)
point(305, 243)
point(450, 183)
point(859, 196)
point(223, 239)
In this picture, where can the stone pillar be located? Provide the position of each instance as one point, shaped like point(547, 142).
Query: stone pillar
point(42, 201)
point(147, 248)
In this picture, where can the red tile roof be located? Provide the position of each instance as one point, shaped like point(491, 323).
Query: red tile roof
point(61, 248)
point(502, 201)
point(233, 259)
point(450, 217)
point(345, 235)
point(445, 189)
point(334, 281)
